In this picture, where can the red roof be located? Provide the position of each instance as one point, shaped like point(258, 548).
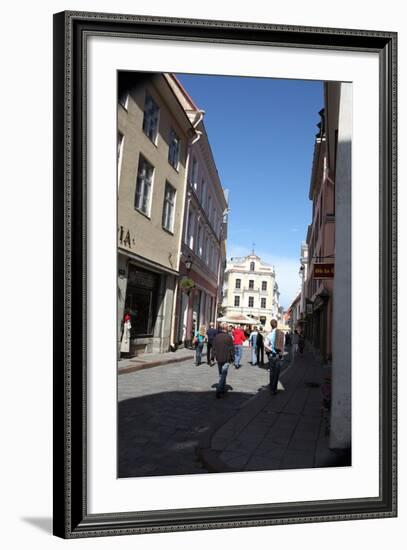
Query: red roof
point(186, 94)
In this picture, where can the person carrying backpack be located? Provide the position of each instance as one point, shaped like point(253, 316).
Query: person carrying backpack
point(199, 341)
point(274, 346)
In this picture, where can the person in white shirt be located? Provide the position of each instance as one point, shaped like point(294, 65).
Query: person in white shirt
point(253, 345)
point(273, 356)
point(296, 339)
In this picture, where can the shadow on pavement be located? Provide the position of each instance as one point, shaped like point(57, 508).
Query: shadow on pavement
point(158, 434)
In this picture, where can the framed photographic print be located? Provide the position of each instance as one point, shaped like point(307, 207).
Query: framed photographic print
point(224, 274)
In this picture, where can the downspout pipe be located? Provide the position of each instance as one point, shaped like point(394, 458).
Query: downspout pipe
point(194, 139)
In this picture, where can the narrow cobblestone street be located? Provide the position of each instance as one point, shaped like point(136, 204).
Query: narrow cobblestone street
point(164, 411)
point(171, 423)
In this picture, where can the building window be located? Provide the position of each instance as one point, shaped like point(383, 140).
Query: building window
point(199, 241)
point(193, 174)
point(119, 144)
point(120, 139)
point(169, 207)
point(191, 229)
point(216, 259)
point(238, 283)
point(251, 283)
point(209, 252)
point(213, 257)
point(151, 116)
point(263, 303)
point(143, 186)
point(203, 244)
point(124, 99)
point(264, 285)
point(174, 149)
point(206, 249)
point(320, 211)
point(212, 217)
point(237, 301)
point(252, 266)
point(203, 192)
point(209, 206)
point(251, 301)
point(215, 223)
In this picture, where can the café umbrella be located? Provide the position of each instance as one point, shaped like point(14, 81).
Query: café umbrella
point(239, 319)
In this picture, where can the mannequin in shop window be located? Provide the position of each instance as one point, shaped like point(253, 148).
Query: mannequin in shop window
point(125, 343)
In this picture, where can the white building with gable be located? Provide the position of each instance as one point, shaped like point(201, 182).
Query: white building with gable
point(250, 288)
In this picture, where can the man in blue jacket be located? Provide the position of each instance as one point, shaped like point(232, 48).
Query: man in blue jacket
point(210, 335)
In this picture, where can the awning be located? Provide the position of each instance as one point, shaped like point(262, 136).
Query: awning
point(239, 319)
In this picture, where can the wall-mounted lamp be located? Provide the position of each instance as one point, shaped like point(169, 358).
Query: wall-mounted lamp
point(188, 263)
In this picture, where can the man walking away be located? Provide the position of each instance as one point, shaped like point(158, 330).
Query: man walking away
point(210, 335)
point(224, 352)
point(238, 339)
point(253, 344)
point(274, 349)
point(260, 347)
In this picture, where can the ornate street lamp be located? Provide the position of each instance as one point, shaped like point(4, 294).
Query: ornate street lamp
point(188, 263)
point(186, 283)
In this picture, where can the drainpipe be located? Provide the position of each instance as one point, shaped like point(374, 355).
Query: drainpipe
point(193, 140)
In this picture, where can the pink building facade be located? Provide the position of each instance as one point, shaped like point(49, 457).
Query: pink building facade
point(321, 248)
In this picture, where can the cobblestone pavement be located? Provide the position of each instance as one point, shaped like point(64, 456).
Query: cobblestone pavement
point(276, 432)
point(165, 411)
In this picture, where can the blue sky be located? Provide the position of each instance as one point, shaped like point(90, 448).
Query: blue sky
point(262, 134)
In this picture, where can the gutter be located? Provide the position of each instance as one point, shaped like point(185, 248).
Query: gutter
point(194, 139)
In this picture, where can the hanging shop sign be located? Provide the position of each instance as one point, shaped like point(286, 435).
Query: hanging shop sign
point(323, 271)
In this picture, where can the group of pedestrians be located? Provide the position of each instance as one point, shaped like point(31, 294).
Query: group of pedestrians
point(225, 345)
point(201, 337)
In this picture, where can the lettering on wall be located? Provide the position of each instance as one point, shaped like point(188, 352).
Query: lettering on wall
point(324, 271)
point(124, 237)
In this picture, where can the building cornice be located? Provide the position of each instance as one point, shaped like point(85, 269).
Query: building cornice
point(145, 262)
point(248, 272)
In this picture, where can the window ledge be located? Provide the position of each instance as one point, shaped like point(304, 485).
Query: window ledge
point(142, 213)
point(176, 168)
point(167, 230)
point(155, 143)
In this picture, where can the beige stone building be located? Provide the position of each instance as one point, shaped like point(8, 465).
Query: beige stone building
point(250, 288)
point(154, 133)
